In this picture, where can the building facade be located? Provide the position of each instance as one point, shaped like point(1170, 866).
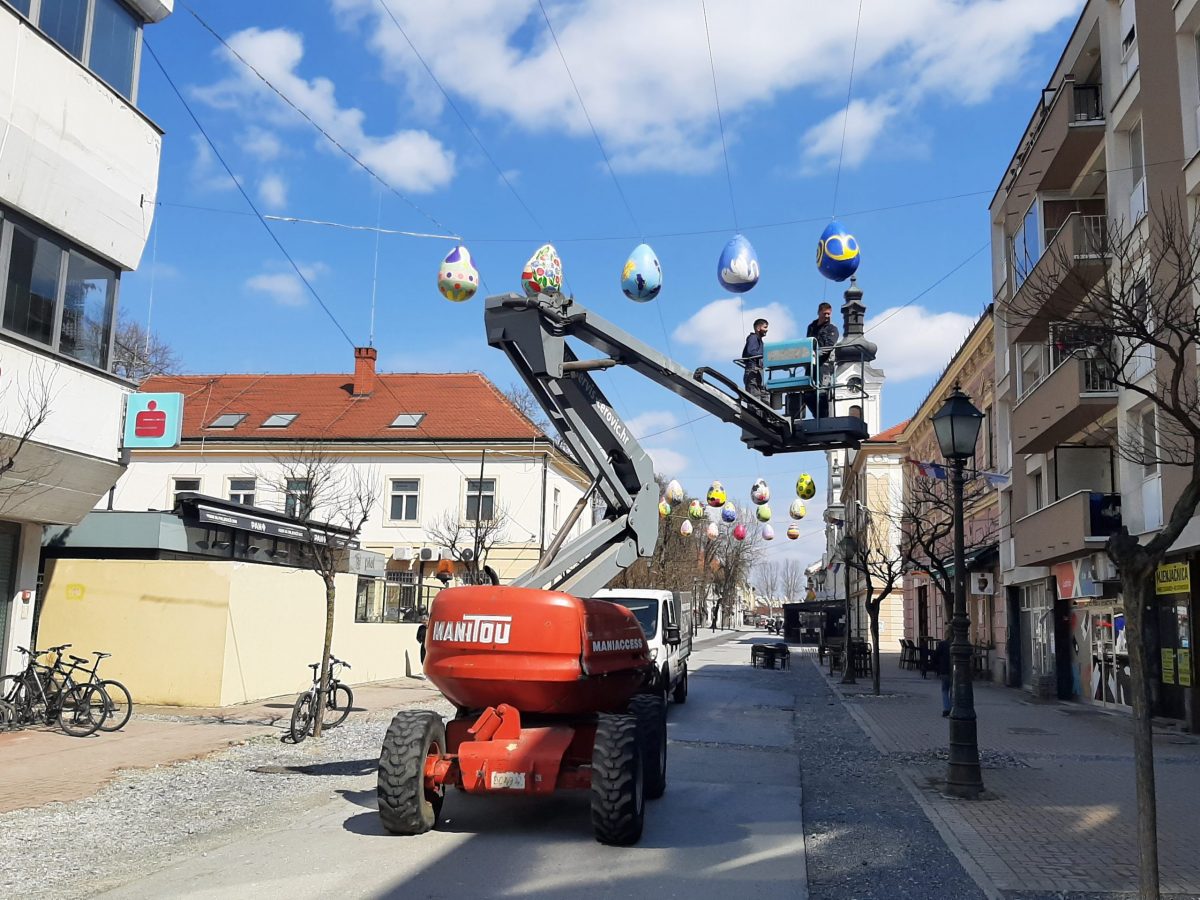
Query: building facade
point(78, 177)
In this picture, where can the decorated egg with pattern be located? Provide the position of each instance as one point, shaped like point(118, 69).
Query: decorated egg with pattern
point(837, 253)
point(760, 493)
point(797, 510)
point(763, 513)
point(793, 532)
point(713, 531)
point(806, 488)
point(543, 273)
point(641, 278)
point(696, 509)
point(729, 513)
point(664, 508)
point(737, 267)
point(739, 532)
point(716, 494)
point(458, 279)
point(686, 528)
point(768, 533)
point(674, 492)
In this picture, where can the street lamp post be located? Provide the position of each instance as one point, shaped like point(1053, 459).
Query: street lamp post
point(848, 547)
point(957, 426)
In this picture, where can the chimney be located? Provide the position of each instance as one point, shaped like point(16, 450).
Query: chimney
point(364, 371)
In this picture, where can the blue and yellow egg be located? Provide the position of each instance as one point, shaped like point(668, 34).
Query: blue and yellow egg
point(641, 278)
point(837, 253)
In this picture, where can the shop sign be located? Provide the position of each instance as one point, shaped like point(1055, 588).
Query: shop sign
point(1077, 579)
point(152, 420)
point(209, 515)
point(1173, 578)
point(1184, 659)
point(367, 562)
point(1168, 666)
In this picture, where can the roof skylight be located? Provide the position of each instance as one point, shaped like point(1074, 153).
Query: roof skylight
point(227, 420)
point(279, 420)
point(407, 420)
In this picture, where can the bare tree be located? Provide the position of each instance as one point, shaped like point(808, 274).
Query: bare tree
point(20, 418)
point(792, 579)
point(333, 498)
point(1137, 327)
point(881, 565)
point(470, 542)
point(138, 353)
point(733, 561)
point(767, 577)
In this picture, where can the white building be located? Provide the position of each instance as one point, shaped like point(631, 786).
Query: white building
point(78, 177)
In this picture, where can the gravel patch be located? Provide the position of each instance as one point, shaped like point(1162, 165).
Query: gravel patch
point(988, 759)
point(865, 836)
point(145, 819)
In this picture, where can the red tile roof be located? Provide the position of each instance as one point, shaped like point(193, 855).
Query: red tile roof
point(457, 406)
point(890, 435)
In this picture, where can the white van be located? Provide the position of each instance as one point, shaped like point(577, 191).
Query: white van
point(666, 618)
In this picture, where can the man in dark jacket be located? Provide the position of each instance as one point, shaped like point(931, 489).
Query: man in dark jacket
point(941, 660)
point(752, 358)
point(826, 334)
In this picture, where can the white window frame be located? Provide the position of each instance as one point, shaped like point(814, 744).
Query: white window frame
point(557, 498)
point(469, 494)
point(1137, 171)
point(296, 495)
point(393, 493)
point(238, 496)
point(174, 490)
point(1147, 430)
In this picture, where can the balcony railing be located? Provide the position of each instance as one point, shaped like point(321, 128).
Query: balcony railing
point(1087, 103)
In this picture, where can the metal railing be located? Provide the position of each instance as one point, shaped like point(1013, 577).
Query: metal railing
point(1097, 375)
point(1087, 103)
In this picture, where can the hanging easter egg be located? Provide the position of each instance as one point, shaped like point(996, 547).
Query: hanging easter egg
point(641, 279)
point(763, 513)
point(664, 509)
point(737, 268)
point(768, 533)
point(760, 493)
point(797, 510)
point(729, 513)
point(458, 279)
point(716, 494)
point(739, 532)
point(674, 492)
point(543, 273)
point(686, 528)
point(793, 532)
point(713, 531)
point(806, 488)
point(837, 253)
point(696, 509)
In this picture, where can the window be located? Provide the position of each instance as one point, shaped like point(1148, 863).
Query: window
point(22, 6)
point(404, 499)
point(557, 494)
point(297, 499)
point(1036, 493)
point(64, 22)
point(279, 420)
point(1137, 172)
point(113, 48)
point(368, 600)
point(1026, 246)
point(87, 311)
point(481, 493)
point(183, 485)
point(1148, 439)
point(227, 420)
point(407, 420)
point(34, 271)
point(241, 490)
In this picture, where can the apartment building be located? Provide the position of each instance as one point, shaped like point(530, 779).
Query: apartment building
point(78, 176)
point(1107, 150)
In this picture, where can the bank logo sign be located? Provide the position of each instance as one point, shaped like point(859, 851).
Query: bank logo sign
point(153, 420)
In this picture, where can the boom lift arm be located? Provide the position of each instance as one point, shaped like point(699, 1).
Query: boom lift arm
point(533, 332)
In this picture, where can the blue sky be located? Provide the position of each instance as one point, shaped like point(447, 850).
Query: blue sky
point(942, 90)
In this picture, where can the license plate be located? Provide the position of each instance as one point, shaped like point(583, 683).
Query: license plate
point(514, 781)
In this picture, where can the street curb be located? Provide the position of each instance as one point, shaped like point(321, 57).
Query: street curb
point(990, 889)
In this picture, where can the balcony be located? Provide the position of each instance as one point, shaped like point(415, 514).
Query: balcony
point(1062, 404)
point(1069, 267)
point(1067, 130)
point(1077, 524)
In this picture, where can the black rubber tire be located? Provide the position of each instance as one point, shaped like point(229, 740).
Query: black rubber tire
point(337, 706)
point(82, 711)
point(679, 695)
point(618, 788)
point(302, 718)
point(651, 712)
point(405, 806)
point(119, 705)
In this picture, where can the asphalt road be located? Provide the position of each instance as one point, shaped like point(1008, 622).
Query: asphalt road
point(730, 824)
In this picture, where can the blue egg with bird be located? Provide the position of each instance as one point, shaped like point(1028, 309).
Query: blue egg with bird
point(737, 269)
point(641, 279)
point(837, 253)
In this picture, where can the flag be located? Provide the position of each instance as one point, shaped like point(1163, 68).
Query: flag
point(995, 479)
point(930, 470)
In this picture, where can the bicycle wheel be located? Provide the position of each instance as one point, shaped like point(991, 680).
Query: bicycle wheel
point(118, 705)
point(302, 717)
point(15, 690)
point(81, 711)
point(337, 707)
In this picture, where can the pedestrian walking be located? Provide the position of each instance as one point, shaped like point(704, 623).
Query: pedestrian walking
point(941, 660)
point(752, 359)
point(826, 335)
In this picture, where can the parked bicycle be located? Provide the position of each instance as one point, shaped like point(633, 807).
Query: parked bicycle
point(48, 694)
point(337, 702)
point(118, 702)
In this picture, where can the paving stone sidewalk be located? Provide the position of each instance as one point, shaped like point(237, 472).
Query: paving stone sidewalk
point(1064, 814)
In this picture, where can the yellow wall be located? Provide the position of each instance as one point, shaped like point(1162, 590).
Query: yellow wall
point(213, 633)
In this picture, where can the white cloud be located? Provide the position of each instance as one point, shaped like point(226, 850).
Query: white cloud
point(262, 144)
point(915, 342)
point(272, 190)
point(284, 287)
point(207, 174)
point(411, 160)
point(651, 423)
point(718, 329)
point(865, 122)
point(653, 108)
point(668, 462)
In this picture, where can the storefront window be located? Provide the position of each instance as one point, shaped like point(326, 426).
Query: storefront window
point(1037, 633)
point(368, 606)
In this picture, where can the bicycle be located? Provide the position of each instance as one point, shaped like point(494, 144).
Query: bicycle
point(36, 695)
point(118, 702)
point(337, 702)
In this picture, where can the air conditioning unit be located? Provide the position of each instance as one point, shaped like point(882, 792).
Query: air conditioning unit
point(427, 553)
point(402, 553)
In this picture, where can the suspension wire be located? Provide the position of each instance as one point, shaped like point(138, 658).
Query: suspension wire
point(720, 119)
point(150, 303)
point(463, 119)
point(296, 220)
point(846, 117)
point(375, 272)
point(329, 137)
